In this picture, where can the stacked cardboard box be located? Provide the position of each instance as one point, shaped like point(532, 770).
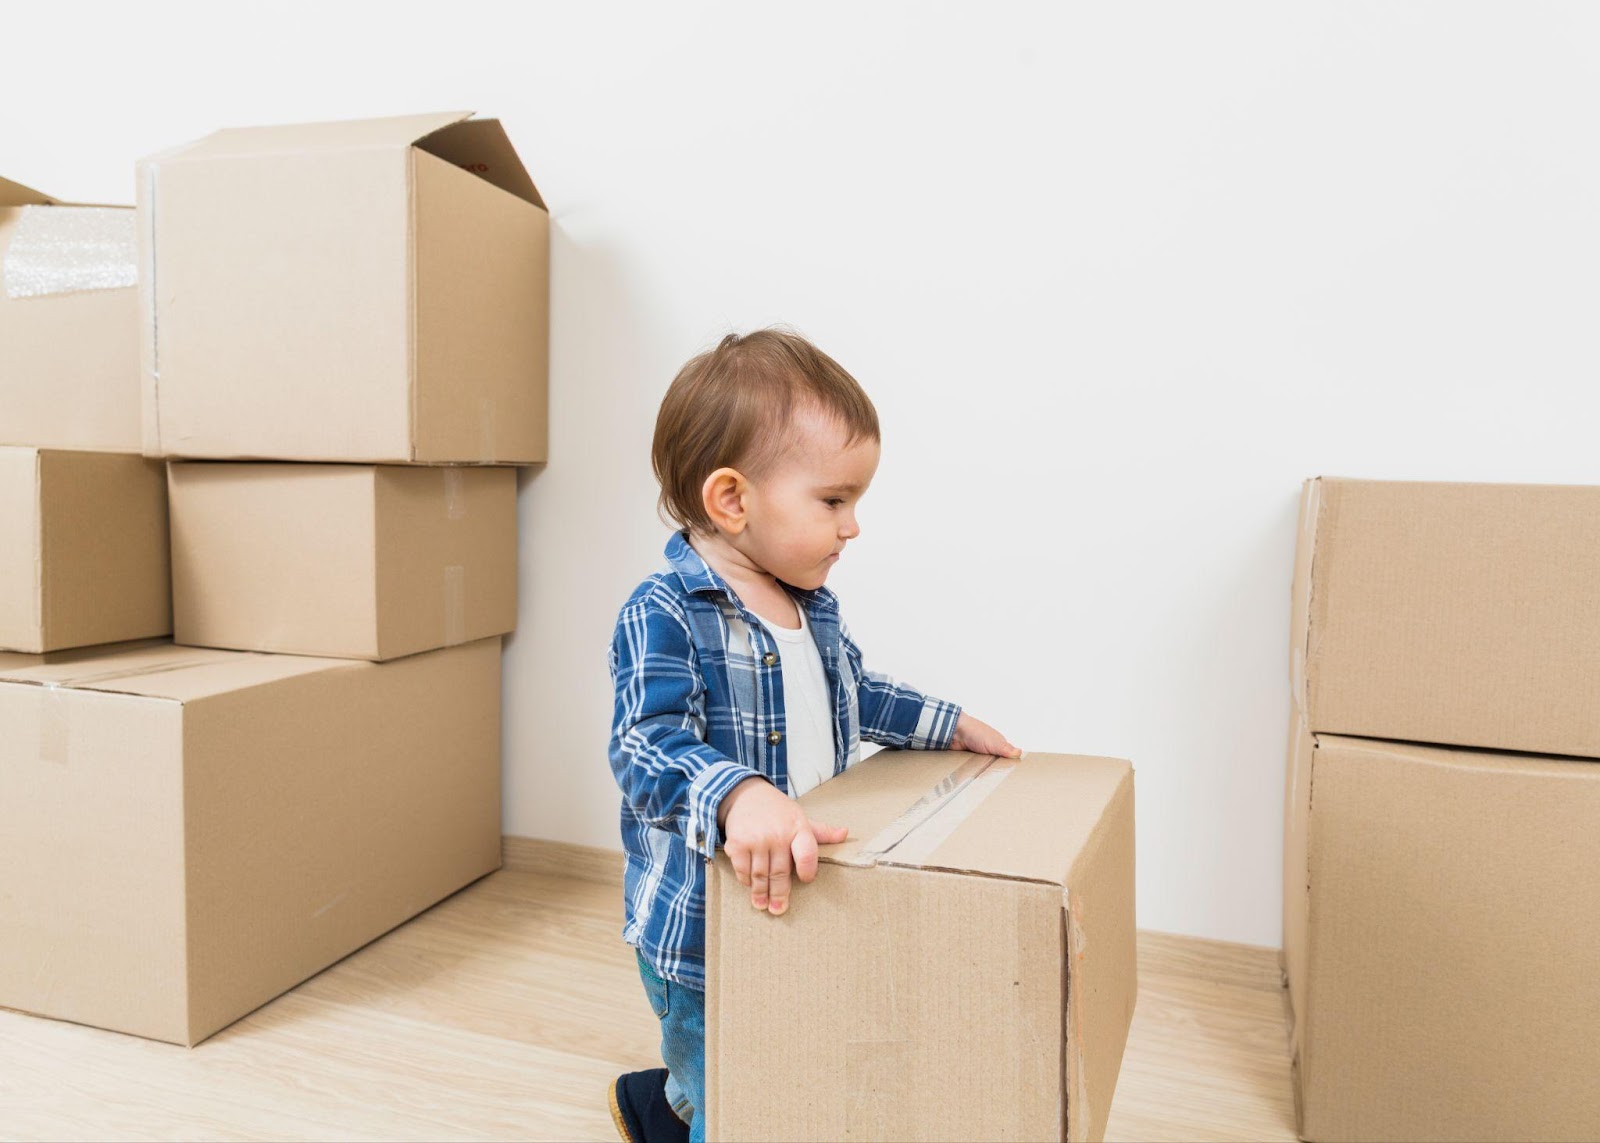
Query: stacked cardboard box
point(1443, 797)
point(83, 519)
point(190, 827)
point(963, 967)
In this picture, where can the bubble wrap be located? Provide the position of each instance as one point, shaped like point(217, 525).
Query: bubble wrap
point(64, 250)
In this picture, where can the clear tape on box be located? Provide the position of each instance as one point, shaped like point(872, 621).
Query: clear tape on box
point(455, 496)
point(54, 726)
point(915, 834)
point(69, 250)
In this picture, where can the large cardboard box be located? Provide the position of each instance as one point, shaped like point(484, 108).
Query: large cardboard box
point(362, 291)
point(187, 833)
point(354, 561)
point(962, 968)
point(1463, 614)
point(83, 549)
point(69, 324)
point(1441, 919)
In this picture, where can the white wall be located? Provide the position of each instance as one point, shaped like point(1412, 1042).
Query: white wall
point(1118, 279)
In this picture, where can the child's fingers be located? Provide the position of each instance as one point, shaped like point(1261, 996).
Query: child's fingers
point(829, 835)
point(758, 877)
point(778, 882)
point(740, 857)
point(805, 854)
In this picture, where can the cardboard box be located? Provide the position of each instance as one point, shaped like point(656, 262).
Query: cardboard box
point(69, 324)
point(962, 968)
point(1463, 614)
point(187, 833)
point(1440, 920)
point(362, 291)
point(353, 561)
point(83, 549)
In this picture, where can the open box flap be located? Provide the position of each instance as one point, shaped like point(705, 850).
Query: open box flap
point(342, 135)
point(15, 194)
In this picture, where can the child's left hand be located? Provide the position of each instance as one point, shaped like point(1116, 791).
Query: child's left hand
point(981, 738)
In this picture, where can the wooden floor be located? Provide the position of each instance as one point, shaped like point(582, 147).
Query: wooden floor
point(503, 1012)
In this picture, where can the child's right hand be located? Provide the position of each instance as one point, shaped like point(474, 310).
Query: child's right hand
point(768, 836)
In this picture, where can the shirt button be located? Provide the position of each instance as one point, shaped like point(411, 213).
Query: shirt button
point(769, 658)
point(774, 738)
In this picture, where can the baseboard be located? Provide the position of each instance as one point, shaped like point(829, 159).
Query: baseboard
point(562, 859)
point(1251, 966)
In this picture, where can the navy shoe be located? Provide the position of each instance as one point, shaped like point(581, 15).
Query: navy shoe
point(640, 1109)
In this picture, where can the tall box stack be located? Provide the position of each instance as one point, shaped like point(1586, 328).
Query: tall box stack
point(1442, 802)
point(340, 351)
point(963, 967)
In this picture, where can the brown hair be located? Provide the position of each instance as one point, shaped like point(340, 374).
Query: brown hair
point(729, 407)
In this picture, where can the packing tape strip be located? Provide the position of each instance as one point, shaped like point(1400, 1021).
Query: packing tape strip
point(932, 818)
point(68, 250)
point(55, 727)
point(55, 733)
point(89, 678)
point(455, 493)
point(919, 846)
point(455, 605)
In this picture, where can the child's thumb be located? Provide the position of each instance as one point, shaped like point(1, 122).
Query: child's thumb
point(827, 834)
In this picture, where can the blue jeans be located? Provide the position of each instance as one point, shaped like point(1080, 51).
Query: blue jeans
point(682, 1012)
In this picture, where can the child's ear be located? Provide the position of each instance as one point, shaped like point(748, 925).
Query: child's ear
point(723, 496)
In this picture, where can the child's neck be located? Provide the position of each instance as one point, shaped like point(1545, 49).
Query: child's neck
point(758, 588)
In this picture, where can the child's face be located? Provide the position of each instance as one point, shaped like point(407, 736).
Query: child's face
point(801, 512)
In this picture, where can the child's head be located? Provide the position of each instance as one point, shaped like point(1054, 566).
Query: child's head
point(766, 444)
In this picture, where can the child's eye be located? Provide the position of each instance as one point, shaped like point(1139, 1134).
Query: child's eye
point(833, 502)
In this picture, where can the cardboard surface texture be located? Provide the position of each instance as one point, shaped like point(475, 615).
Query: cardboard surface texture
point(354, 561)
point(83, 549)
point(187, 833)
point(69, 324)
point(963, 967)
point(360, 291)
point(1463, 614)
point(1441, 948)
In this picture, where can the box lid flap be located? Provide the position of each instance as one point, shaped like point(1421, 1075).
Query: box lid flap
point(482, 147)
point(162, 670)
point(961, 812)
point(15, 194)
point(1473, 758)
point(341, 135)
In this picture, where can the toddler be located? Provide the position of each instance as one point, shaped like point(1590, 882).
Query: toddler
point(738, 687)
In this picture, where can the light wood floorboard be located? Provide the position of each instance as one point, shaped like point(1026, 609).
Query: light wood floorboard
point(503, 1012)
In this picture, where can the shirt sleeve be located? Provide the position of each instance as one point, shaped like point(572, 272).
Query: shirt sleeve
point(669, 774)
point(893, 714)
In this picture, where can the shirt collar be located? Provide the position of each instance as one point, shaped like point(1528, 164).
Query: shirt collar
point(692, 569)
point(699, 579)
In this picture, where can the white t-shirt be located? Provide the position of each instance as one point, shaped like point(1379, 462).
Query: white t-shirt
point(807, 706)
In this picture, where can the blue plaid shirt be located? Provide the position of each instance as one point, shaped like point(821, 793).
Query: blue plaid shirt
point(699, 708)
